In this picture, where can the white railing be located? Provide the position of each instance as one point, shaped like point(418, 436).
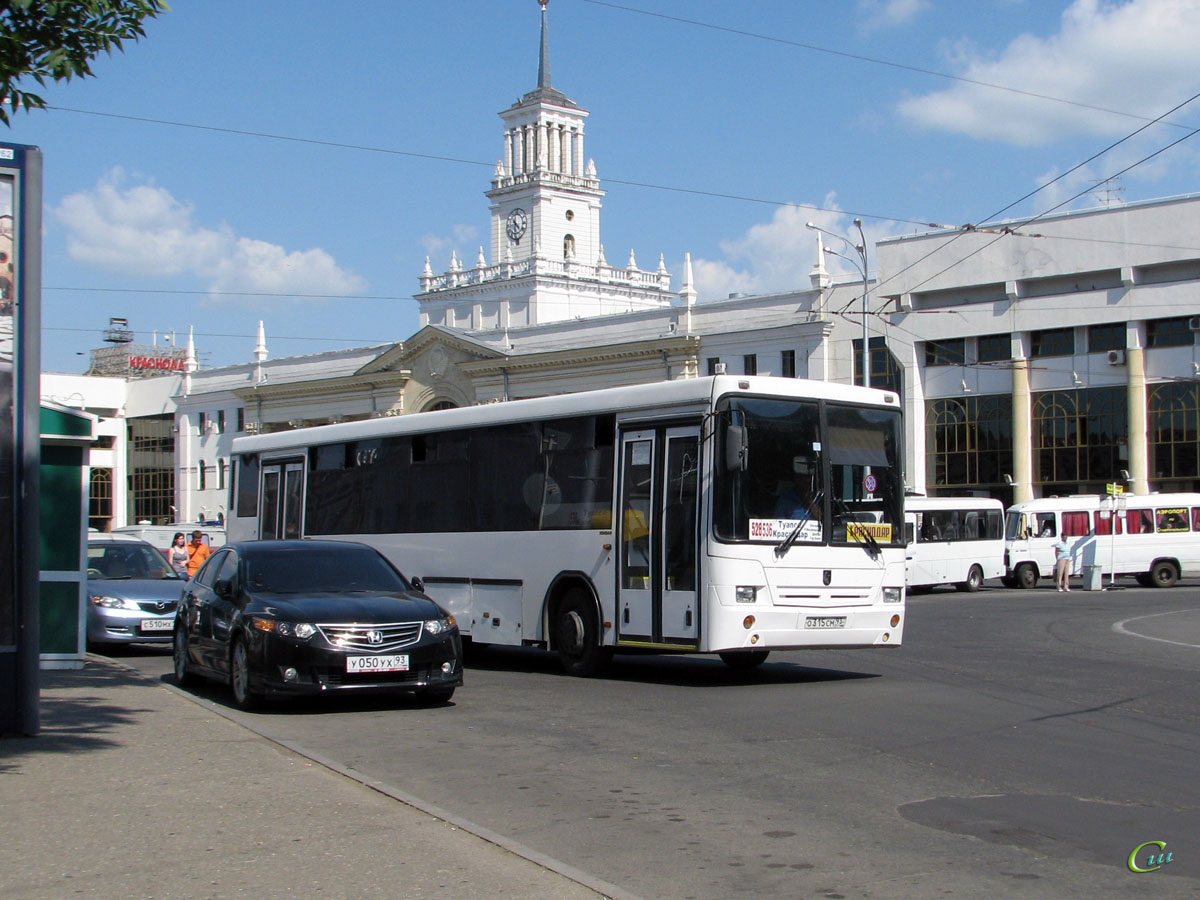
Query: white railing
point(542, 266)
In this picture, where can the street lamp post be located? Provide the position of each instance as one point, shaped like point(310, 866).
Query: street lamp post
point(861, 265)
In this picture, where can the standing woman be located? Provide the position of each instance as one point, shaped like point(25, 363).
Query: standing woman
point(1062, 564)
point(177, 554)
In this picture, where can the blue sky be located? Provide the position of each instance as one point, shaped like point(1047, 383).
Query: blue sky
point(720, 136)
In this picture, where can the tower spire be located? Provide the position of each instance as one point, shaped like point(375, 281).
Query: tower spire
point(544, 55)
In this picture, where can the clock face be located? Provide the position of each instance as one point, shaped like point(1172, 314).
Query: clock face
point(516, 225)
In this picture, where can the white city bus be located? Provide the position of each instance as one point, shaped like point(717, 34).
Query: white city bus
point(953, 540)
point(1153, 537)
point(755, 514)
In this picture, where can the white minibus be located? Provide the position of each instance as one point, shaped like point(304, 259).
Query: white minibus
point(1153, 537)
point(953, 540)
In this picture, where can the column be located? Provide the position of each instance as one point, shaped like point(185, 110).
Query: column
point(579, 170)
point(1022, 413)
point(1139, 438)
point(508, 152)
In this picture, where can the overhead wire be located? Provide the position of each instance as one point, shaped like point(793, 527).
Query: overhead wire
point(715, 194)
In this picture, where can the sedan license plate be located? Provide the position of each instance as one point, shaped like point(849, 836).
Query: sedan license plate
point(157, 624)
point(396, 662)
point(824, 621)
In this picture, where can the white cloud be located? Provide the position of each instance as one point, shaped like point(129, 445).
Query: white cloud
point(141, 229)
point(890, 13)
point(780, 254)
point(1135, 57)
point(460, 243)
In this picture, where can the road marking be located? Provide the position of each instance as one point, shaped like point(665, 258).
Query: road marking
point(1119, 628)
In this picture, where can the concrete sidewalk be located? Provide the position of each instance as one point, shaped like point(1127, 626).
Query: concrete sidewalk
point(134, 791)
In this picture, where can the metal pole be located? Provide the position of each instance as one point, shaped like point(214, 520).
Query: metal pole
point(866, 340)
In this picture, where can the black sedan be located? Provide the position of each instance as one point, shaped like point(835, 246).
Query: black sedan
point(307, 617)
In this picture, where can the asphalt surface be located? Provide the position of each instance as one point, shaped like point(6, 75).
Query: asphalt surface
point(135, 790)
point(1019, 745)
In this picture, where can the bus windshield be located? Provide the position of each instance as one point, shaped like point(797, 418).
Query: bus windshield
point(802, 472)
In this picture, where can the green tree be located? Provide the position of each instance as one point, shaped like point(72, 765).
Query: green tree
point(57, 39)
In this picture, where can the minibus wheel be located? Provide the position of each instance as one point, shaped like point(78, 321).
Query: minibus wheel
point(974, 580)
point(1027, 576)
point(1164, 574)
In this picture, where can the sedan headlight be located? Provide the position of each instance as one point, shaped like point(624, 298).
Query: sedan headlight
point(114, 603)
point(440, 626)
point(893, 594)
point(300, 630)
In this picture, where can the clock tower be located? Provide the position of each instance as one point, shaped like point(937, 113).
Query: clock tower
point(547, 261)
point(545, 198)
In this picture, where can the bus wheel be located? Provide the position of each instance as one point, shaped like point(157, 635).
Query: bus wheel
point(974, 581)
point(1164, 574)
point(577, 635)
point(1027, 575)
point(744, 660)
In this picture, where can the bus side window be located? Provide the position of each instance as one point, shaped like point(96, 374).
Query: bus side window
point(1139, 521)
point(1045, 525)
point(1172, 520)
point(1075, 524)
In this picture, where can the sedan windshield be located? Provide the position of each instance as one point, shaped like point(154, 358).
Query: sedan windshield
point(296, 570)
point(123, 560)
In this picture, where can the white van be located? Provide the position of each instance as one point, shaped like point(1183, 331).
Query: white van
point(1153, 537)
point(953, 540)
point(162, 535)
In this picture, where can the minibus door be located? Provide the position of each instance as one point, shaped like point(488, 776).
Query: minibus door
point(659, 537)
point(282, 499)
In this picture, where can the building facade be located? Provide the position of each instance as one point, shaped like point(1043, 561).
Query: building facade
point(1031, 361)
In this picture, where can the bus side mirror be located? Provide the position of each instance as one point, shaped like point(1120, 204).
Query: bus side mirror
point(737, 450)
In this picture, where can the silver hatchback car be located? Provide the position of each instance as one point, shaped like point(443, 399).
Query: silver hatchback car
point(132, 592)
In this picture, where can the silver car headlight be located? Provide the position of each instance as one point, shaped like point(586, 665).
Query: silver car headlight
point(114, 603)
point(440, 626)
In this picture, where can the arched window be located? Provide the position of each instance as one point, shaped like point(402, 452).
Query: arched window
point(569, 247)
point(1080, 438)
point(1174, 420)
point(200, 484)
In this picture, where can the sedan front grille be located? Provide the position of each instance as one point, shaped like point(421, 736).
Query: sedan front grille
point(157, 607)
point(373, 638)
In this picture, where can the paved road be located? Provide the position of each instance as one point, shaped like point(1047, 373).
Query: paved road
point(1020, 744)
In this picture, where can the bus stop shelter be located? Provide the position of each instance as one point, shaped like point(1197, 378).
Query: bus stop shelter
point(64, 476)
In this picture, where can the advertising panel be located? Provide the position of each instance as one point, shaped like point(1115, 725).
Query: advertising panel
point(20, 363)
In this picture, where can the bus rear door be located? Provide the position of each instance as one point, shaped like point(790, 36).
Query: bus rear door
point(281, 511)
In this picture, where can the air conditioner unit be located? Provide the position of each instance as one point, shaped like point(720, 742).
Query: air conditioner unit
point(1194, 323)
point(1116, 357)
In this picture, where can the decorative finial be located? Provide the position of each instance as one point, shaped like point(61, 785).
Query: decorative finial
point(544, 52)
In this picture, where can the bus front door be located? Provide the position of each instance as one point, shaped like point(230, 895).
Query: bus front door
point(659, 560)
point(279, 516)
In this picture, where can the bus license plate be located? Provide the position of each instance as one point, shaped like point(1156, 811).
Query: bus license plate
point(824, 621)
point(397, 662)
point(158, 624)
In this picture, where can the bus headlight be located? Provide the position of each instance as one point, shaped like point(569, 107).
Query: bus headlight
point(745, 593)
point(893, 594)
